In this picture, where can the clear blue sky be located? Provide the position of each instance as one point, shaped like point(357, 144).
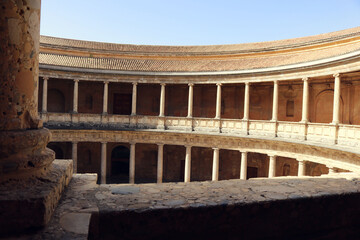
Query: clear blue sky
point(195, 22)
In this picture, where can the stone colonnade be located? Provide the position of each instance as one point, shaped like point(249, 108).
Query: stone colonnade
point(275, 105)
point(187, 169)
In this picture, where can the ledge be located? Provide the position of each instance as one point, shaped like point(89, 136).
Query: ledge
point(27, 205)
point(279, 208)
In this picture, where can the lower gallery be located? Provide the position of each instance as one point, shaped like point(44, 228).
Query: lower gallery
point(242, 141)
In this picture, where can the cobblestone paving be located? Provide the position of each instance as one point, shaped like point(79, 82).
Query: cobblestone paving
point(84, 197)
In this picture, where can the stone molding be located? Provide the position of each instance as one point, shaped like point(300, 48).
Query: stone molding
point(324, 154)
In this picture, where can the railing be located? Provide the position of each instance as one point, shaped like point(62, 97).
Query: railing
point(346, 135)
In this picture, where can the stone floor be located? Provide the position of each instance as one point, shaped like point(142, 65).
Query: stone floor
point(84, 197)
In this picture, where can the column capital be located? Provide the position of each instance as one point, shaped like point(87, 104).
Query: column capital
point(160, 144)
point(272, 155)
point(104, 142)
point(219, 84)
point(132, 142)
point(247, 83)
point(305, 79)
point(74, 142)
point(163, 84)
point(76, 80)
point(187, 146)
point(336, 75)
point(45, 78)
point(216, 148)
point(135, 83)
point(106, 82)
point(190, 84)
point(243, 151)
point(276, 81)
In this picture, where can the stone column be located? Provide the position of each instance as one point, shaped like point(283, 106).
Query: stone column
point(105, 97)
point(162, 100)
point(215, 167)
point(160, 163)
point(191, 99)
point(187, 164)
point(272, 166)
point(103, 163)
point(302, 168)
point(336, 106)
point(132, 164)
point(134, 98)
point(22, 139)
point(275, 101)
point(75, 98)
point(243, 167)
point(74, 155)
point(246, 101)
point(305, 102)
point(218, 101)
point(44, 94)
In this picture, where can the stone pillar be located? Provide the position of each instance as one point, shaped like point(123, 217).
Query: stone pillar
point(105, 97)
point(336, 106)
point(191, 100)
point(218, 101)
point(243, 167)
point(22, 139)
point(160, 163)
point(103, 163)
point(76, 94)
point(134, 98)
point(246, 101)
point(215, 167)
point(162, 100)
point(132, 164)
point(305, 102)
point(44, 94)
point(302, 168)
point(74, 155)
point(275, 101)
point(272, 166)
point(187, 164)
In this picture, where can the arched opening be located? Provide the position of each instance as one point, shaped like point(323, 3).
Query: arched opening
point(286, 169)
point(120, 156)
point(59, 154)
point(324, 107)
point(56, 101)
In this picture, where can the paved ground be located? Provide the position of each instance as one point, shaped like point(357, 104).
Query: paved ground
point(84, 196)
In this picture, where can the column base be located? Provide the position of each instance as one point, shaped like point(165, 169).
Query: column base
point(23, 153)
point(28, 204)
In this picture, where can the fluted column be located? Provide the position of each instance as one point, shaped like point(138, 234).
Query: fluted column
point(162, 100)
point(191, 99)
point(75, 96)
point(275, 101)
point(272, 166)
point(187, 164)
point(134, 98)
point(215, 167)
point(246, 101)
point(218, 101)
point(44, 94)
point(301, 168)
point(103, 163)
point(105, 97)
point(160, 163)
point(305, 102)
point(243, 167)
point(74, 156)
point(132, 164)
point(336, 106)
